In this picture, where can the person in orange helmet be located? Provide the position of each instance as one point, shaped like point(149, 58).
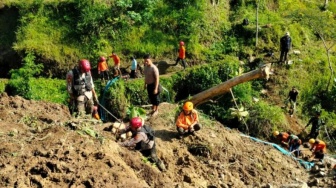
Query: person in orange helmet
point(187, 121)
point(181, 56)
point(282, 137)
point(318, 147)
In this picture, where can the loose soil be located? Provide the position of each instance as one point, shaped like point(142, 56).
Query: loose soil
point(43, 146)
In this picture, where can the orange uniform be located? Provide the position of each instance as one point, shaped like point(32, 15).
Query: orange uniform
point(182, 52)
point(102, 66)
point(116, 60)
point(185, 121)
point(320, 147)
point(283, 137)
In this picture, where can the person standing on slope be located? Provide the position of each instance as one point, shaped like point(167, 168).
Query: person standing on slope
point(81, 88)
point(116, 60)
point(103, 69)
point(292, 96)
point(316, 122)
point(285, 46)
point(181, 56)
point(134, 67)
point(152, 80)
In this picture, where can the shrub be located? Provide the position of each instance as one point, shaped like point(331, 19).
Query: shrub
point(264, 118)
point(3, 83)
point(19, 84)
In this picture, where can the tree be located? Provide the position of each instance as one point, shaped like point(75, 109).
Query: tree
point(262, 72)
point(326, 32)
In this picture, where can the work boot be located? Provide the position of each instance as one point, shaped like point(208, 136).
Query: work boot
point(161, 166)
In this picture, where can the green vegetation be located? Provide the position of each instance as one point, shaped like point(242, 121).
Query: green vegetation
point(58, 33)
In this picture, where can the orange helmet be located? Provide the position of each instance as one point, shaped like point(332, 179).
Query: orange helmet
point(188, 106)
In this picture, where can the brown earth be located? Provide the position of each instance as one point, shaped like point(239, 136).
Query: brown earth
point(43, 146)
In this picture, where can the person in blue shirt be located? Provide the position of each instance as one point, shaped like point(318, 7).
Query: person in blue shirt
point(134, 67)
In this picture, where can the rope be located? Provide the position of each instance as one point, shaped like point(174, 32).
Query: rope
point(102, 100)
point(234, 100)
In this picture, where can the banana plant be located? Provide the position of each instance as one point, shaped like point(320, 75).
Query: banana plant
point(239, 113)
point(134, 111)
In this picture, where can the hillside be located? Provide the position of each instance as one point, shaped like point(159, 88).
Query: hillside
point(41, 149)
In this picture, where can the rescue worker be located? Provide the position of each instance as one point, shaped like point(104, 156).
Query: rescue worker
point(181, 56)
point(116, 60)
point(318, 148)
point(294, 144)
point(152, 82)
point(292, 96)
point(187, 121)
point(316, 122)
point(103, 68)
point(134, 67)
point(81, 88)
point(142, 140)
point(282, 138)
point(285, 46)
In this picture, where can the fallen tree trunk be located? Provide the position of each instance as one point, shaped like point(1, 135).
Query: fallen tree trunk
point(262, 72)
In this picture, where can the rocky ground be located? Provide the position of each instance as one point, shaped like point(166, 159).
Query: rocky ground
point(43, 146)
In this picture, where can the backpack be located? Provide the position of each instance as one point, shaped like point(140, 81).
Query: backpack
point(148, 131)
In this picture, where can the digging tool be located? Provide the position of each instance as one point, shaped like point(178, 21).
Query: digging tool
point(109, 112)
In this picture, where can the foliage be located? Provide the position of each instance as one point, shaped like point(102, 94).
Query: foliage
point(3, 84)
point(263, 119)
point(48, 89)
point(19, 84)
point(134, 111)
point(115, 99)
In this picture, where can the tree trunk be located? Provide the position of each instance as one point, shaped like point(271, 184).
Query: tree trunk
point(262, 72)
point(257, 23)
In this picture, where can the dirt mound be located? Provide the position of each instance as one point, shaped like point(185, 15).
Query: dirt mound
point(41, 148)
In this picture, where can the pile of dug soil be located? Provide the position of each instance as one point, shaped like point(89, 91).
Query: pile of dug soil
point(42, 146)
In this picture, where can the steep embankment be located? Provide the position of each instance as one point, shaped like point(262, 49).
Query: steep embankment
point(41, 150)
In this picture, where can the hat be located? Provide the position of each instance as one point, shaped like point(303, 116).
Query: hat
point(287, 33)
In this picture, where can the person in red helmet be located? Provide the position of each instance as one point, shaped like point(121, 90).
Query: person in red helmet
point(143, 139)
point(81, 89)
point(181, 56)
point(187, 121)
point(103, 68)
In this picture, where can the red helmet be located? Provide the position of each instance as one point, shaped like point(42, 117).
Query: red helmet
point(136, 122)
point(181, 43)
point(102, 58)
point(84, 65)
